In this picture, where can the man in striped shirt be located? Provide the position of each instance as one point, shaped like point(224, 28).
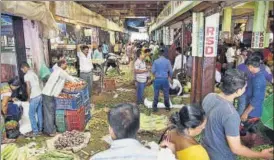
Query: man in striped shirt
point(141, 76)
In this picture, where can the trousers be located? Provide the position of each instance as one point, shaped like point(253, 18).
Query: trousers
point(49, 108)
point(88, 77)
point(161, 84)
point(35, 107)
point(140, 92)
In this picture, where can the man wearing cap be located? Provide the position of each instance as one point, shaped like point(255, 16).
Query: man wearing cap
point(162, 71)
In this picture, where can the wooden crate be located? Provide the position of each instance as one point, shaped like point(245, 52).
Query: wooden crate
point(109, 84)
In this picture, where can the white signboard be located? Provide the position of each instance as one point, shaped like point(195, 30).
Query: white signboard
point(211, 35)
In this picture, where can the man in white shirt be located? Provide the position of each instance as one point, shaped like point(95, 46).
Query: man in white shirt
point(175, 87)
point(59, 57)
point(178, 59)
point(52, 89)
point(34, 98)
point(230, 56)
point(86, 66)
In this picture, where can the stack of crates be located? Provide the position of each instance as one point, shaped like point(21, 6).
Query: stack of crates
point(60, 120)
point(76, 119)
point(73, 113)
point(86, 104)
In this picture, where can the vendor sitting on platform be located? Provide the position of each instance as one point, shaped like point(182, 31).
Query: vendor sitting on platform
point(3, 137)
point(17, 93)
point(175, 87)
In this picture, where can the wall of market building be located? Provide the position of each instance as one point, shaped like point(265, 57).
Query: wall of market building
point(53, 27)
point(185, 24)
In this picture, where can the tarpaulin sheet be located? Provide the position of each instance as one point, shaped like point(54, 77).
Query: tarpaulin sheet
point(79, 14)
point(33, 11)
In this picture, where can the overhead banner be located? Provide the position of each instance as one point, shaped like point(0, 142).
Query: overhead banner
point(211, 35)
point(198, 34)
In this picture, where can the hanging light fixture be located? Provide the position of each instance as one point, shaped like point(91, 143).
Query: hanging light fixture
point(78, 27)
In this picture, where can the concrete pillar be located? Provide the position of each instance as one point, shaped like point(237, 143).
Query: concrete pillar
point(210, 53)
point(259, 38)
point(227, 18)
point(197, 54)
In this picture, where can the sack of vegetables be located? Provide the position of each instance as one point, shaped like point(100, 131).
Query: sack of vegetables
point(11, 125)
point(13, 133)
point(12, 129)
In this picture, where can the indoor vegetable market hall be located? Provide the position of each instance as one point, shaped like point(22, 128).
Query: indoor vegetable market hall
point(137, 80)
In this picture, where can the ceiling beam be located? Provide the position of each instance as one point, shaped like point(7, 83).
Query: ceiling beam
point(123, 2)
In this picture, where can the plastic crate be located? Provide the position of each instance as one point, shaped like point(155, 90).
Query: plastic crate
point(75, 119)
point(109, 84)
point(86, 102)
point(87, 109)
point(267, 115)
point(60, 120)
point(84, 93)
point(87, 118)
point(69, 104)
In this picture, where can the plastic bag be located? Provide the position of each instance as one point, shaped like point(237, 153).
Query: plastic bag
point(44, 71)
point(13, 133)
point(25, 125)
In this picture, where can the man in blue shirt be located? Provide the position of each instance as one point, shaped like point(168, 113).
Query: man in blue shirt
point(256, 86)
point(162, 71)
point(255, 89)
point(242, 100)
point(165, 49)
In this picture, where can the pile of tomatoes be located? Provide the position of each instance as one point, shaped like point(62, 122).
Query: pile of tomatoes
point(74, 86)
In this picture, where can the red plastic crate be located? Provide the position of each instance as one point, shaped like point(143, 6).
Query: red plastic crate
point(75, 119)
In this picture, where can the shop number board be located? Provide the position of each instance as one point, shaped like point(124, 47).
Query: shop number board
point(211, 35)
point(257, 40)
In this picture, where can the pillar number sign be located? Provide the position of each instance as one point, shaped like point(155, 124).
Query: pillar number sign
point(211, 35)
point(198, 34)
point(257, 40)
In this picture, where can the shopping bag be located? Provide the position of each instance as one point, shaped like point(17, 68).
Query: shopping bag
point(44, 71)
